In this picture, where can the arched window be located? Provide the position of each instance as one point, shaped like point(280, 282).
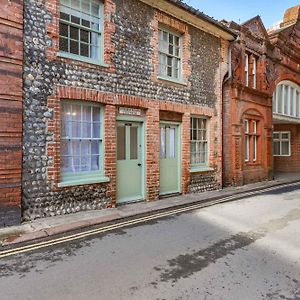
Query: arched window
point(286, 99)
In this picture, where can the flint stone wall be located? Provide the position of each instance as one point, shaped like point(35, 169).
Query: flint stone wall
point(132, 76)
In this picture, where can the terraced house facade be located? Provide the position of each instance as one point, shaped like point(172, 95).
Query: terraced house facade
point(122, 102)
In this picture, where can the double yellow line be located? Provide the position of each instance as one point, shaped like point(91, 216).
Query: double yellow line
point(140, 220)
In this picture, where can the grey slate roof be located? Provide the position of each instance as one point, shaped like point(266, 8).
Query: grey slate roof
point(201, 15)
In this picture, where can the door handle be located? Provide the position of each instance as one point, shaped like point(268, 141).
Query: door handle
point(139, 165)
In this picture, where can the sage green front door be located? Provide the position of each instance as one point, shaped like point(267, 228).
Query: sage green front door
point(130, 183)
point(169, 159)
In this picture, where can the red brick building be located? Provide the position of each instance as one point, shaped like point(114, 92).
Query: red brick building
point(11, 65)
point(247, 107)
point(286, 96)
point(261, 101)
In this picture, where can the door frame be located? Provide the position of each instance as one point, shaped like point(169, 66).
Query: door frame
point(179, 158)
point(140, 120)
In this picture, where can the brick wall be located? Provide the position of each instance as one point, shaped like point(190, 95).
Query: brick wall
point(289, 163)
point(11, 56)
point(241, 102)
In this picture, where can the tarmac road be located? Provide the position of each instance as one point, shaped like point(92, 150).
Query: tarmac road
point(242, 250)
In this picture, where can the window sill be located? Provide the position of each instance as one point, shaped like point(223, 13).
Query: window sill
point(82, 59)
point(172, 80)
point(84, 181)
point(201, 169)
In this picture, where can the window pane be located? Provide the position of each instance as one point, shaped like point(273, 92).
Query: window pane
point(162, 142)
point(133, 143)
point(95, 163)
point(74, 47)
point(96, 114)
point(279, 104)
point(96, 130)
point(285, 135)
point(94, 52)
point(86, 114)
point(75, 4)
point(286, 99)
point(254, 148)
point(66, 148)
point(84, 36)
point(292, 98)
point(63, 45)
point(86, 130)
point(86, 23)
point(171, 49)
point(75, 129)
point(172, 143)
point(66, 164)
point(276, 148)
point(85, 163)
point(247, 148)
point(285, 148)
point(274, 101)
point(84, 50)
point(74, 33)
point(85, 6)
point(85, 148)
point(297, 104)
point(63, 30)
point(95, 9)
point(95, 148)
point(121, 143)
point(75, 20)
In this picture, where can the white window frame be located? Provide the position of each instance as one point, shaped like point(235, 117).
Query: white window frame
point(246, 69)
point(247, 141)
point(280, 140)
point(165, 54)
point(254, 141)
point(289, 94)
point(65, 7)
point(197, 165)
point(84, 177)
point(254, 67)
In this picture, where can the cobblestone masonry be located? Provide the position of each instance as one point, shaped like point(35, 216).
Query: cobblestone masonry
point(131, 75)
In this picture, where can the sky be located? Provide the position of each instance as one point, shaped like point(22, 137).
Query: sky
point(271, 11)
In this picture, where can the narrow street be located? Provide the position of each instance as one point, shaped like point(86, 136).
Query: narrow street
point(242, 250)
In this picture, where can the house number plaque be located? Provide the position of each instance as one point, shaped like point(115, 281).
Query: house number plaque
point(130, 111)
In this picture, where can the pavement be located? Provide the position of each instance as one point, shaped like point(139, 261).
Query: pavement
point(47, 227)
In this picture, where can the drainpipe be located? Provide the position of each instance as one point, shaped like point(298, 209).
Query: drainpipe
point(227, 78)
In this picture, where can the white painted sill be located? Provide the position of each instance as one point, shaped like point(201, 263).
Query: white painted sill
point(85, 181)
point(82, 59)
point(169, 79)
point(201, 169)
